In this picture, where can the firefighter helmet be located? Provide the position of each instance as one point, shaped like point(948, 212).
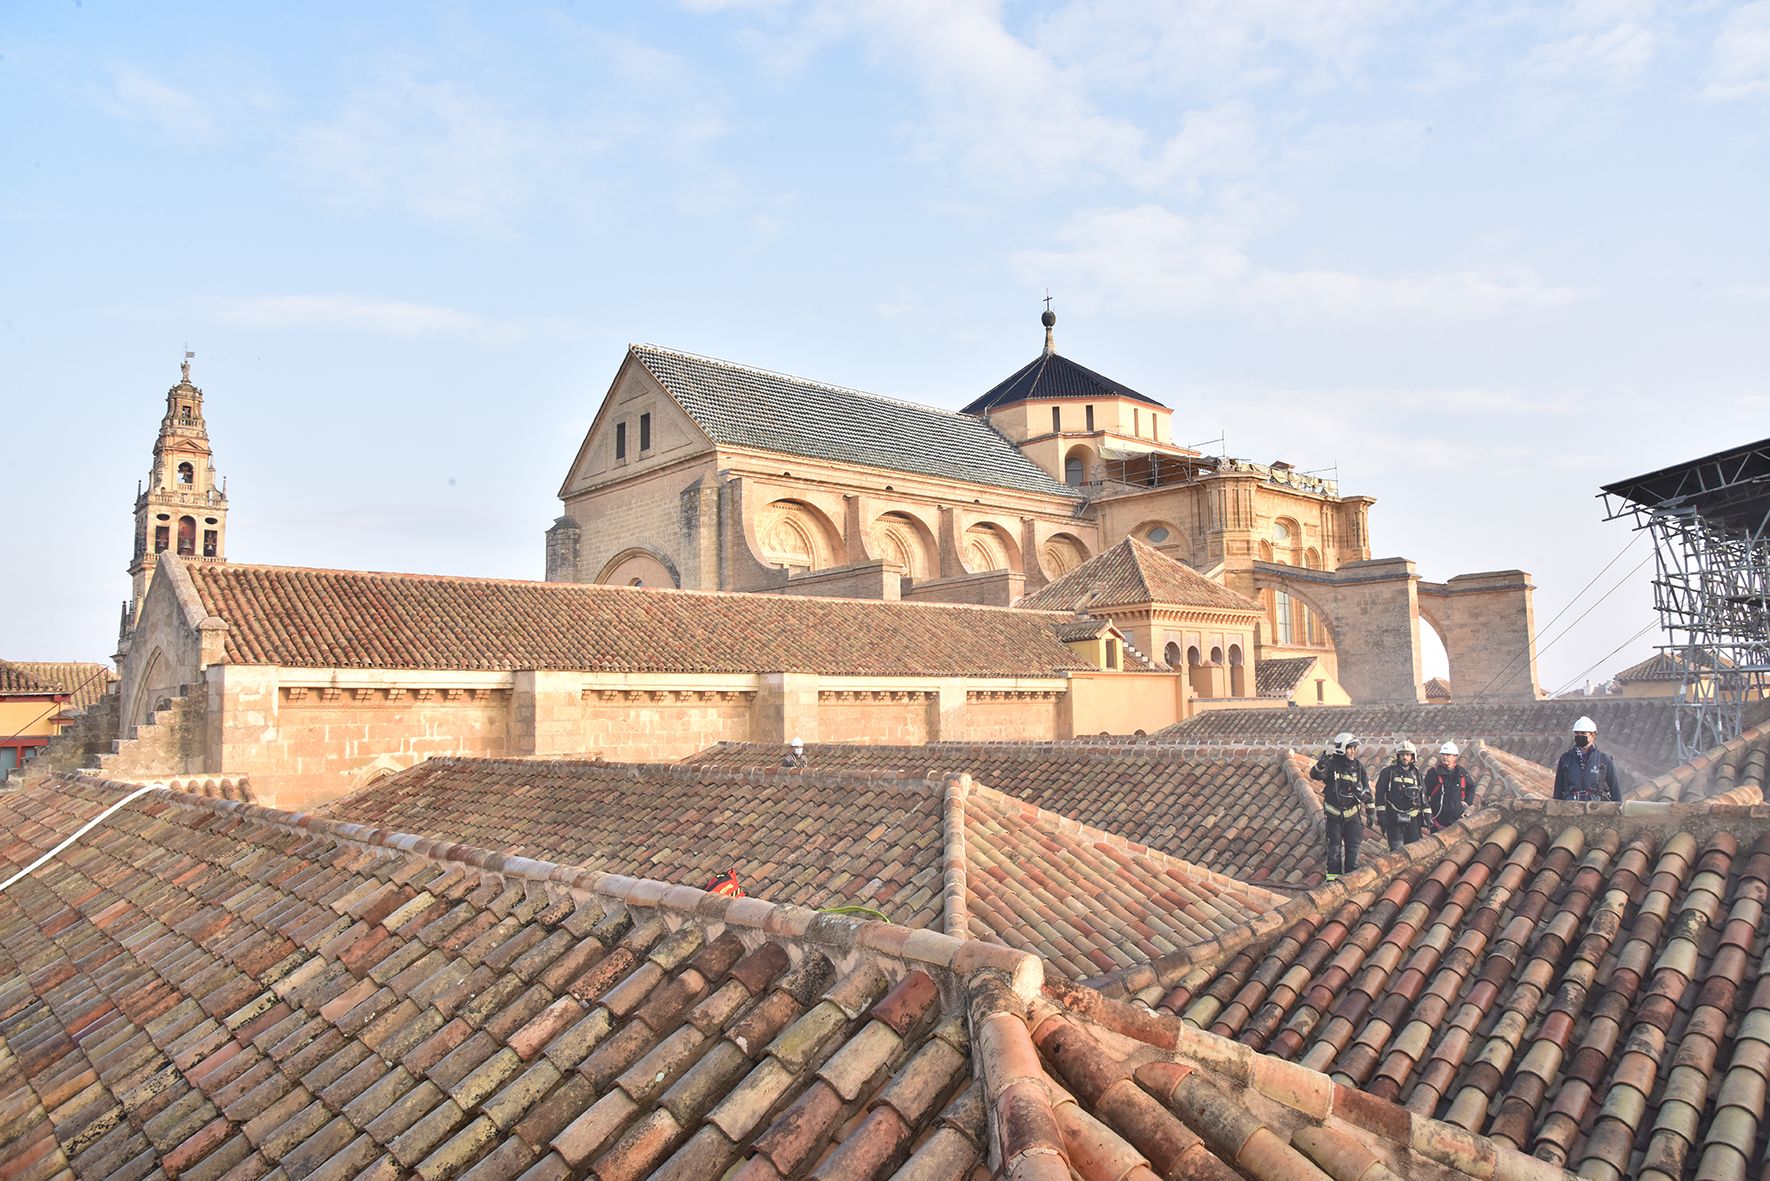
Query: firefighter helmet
point(1345, 740)
point(1404, 747)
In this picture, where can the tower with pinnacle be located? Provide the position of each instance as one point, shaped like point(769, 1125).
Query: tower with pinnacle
point(182, 508)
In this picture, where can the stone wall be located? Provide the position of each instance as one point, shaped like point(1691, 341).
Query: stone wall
point(899, 718)
point(1008, 717)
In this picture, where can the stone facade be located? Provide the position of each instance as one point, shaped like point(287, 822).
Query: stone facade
point(664, 491)
point(207, 694)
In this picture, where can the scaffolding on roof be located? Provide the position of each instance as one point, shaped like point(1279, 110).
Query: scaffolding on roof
point(1710, 523)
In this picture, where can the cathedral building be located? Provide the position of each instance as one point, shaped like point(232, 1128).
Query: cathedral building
point(705, 474)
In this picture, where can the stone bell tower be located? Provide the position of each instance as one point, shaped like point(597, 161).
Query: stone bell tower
point(183, 507)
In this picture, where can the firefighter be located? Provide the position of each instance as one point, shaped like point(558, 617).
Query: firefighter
point(1586, 773)
point(795, 753)
point(1401, 800)
point(1346, 800)
point(1450, 789)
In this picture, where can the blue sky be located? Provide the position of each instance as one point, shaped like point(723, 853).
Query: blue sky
point(1482, 258)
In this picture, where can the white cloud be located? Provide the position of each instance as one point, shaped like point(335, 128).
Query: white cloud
point(1149, 257)
point(135, 96)
point(1742, 54)
point(366, 313)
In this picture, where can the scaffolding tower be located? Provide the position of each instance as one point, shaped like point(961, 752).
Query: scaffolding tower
point(1710, 523)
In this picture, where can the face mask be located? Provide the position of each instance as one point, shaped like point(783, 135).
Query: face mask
point(1582, 740)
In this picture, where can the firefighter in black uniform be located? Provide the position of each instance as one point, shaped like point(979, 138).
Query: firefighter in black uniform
point(1345, 798)
point(1401, 797)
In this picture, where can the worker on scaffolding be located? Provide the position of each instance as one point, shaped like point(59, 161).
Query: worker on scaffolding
point(1585, 773)
point(1401, 797)
point(1450, 789)
point(1346, 801)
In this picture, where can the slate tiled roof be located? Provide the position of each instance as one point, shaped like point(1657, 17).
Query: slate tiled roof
point(1049, 376)
point(925, 853)
point(1641, 731)
point(1582, 983)
point(1130, 573)
point(205, 988)
point(1279, 676)
point(1244, 814)
point(741, 406)
point(16, 681)
point(357, 619)
point(84, 681)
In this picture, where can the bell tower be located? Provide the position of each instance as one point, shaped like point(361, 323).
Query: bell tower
point(183, 507)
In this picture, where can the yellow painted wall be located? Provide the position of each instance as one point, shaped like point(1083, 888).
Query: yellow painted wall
point(1123, 703)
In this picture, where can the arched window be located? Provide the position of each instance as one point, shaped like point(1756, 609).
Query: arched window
point(1281, 533)
point(1192, 656)
point(1171, 655)
point(1281, 617)
point(186, 473)
point(1216, 655)
point(1073, 472)
point(187, 536)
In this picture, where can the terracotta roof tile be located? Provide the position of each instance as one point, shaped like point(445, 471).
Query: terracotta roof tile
point(1134, 572)
point(84, 682)
point(1240, 813)
point(1280, 676)
point(16, 681)
point(357, 619)
point(1087, 900)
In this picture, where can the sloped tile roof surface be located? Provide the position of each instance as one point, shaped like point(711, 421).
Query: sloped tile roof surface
point(1086, 900)
point(1131, 573)
point(1669, 666)
point(358, 619)
point(1279, 676)
point(14, 679)
point(740, 406)
point(1239, 814)
point(1050, 376)
point(1642, 730)
point(1578, 983)
point(204, 988)
point(84, 681)
point(810, 840)
point(1437, 687)
point(1739, 765)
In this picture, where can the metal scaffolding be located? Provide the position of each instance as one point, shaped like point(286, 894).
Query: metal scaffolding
point(1710, 523)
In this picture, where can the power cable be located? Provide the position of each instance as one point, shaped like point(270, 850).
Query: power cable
point(1651, 624)
point(1535, 652)
point(78, 833)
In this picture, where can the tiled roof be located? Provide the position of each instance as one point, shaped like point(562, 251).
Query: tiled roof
point(1669, 666)
point(1437, 687)
point(1640, 731)
point(1585, 984)
point(357, 619)
point(1131, 573)
point(1279, 676)
point(15, 680)
point(740, 406)
point(1244, 814)
point(925, 853)
point(204, 988)
point(84, 682)
point(1049, 376)
point(1739, 765)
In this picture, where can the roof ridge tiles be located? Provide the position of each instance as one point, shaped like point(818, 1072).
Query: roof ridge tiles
point(921, 947)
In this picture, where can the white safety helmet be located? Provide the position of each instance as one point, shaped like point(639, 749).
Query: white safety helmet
point(1345, 740)
point(798, 743)
point(1585, 725)
point(1449, 748)
point(1404, 747)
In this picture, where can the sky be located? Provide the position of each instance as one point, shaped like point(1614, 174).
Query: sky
point(1476, 260)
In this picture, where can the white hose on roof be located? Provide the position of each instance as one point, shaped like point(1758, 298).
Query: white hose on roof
point(78, 833)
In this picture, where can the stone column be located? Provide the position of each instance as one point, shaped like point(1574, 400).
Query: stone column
point(546, 713)
point(1488, 626)
point(946, 711)
point(786, 706)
